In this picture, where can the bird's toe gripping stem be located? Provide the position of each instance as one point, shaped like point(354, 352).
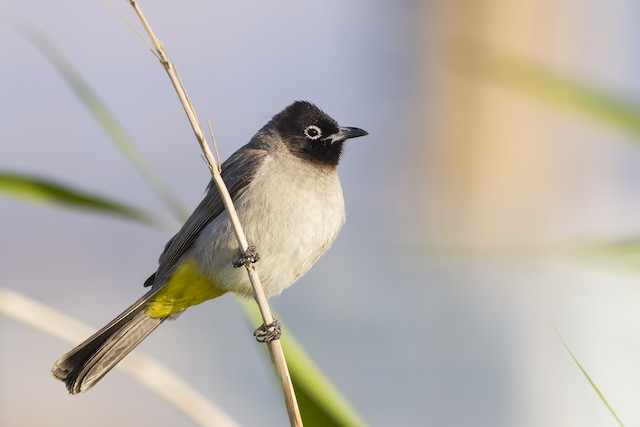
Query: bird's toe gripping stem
point(270, 332)
point(248, 257)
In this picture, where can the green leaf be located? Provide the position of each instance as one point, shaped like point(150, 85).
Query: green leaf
point(321, 403)
point(586, 375)
point(622, 253)
point(103, 116)
point(482, 61)
point(45, 191)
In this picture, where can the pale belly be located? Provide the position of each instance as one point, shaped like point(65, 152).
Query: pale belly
point(291, 218)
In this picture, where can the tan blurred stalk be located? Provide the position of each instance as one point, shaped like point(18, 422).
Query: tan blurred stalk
point(491, 174)
point(152, 374)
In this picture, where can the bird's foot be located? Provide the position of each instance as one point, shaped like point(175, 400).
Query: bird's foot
point(270, 332)
point(248, 257)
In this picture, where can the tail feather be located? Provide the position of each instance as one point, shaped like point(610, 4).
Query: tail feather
point(82, 367)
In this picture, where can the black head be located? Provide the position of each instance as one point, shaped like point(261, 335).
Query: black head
point(311, 134)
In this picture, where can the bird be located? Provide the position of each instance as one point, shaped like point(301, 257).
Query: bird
point(287, 193)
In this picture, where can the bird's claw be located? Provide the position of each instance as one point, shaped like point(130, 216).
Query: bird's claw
point(270, 332)
point(248, 257)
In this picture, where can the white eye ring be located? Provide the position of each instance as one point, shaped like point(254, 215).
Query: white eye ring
point(312, 132)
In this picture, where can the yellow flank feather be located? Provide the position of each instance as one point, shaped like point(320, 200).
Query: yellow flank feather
point(187, 287)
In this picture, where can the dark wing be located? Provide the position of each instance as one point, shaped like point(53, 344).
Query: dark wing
point(237, 173)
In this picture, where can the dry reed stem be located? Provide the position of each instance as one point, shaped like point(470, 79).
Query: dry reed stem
point(275, 348)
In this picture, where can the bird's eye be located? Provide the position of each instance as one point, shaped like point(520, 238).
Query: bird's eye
point(312, 132)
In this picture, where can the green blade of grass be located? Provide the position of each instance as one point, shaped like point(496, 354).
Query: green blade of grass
point(41, 190)
point(482, 61)
point(584, 372)
point(103, 116)
point(321, 403)
point(621, 253)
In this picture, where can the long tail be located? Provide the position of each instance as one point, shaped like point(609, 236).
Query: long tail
point(85, 365)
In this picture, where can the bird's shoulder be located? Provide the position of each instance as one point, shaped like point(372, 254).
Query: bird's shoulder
point(237, 173)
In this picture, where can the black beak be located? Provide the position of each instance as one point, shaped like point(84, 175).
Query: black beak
point(346, 133)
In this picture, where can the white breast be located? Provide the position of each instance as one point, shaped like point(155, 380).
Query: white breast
point(291, 212)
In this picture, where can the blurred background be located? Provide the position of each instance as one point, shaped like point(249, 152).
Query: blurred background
point(499, 182)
